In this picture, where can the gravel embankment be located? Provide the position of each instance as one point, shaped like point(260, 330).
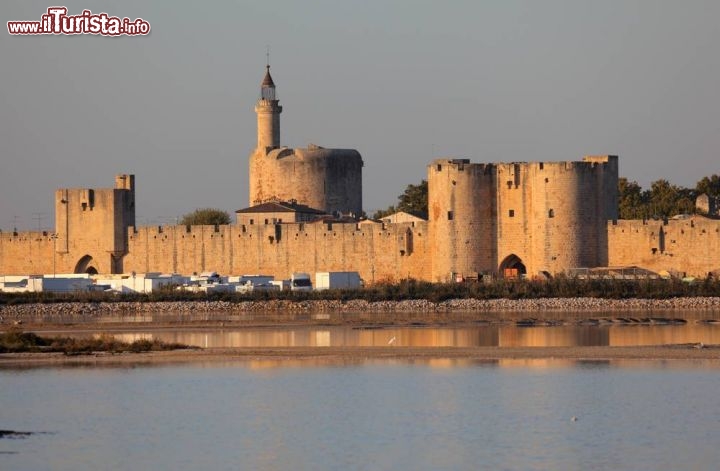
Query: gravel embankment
point(9, 313)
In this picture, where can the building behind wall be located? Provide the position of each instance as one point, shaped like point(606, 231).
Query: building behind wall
point(707, 205)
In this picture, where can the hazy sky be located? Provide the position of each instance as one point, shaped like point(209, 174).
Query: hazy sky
point(402, 82)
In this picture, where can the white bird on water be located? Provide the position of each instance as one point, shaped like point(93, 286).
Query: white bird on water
point(391, 341)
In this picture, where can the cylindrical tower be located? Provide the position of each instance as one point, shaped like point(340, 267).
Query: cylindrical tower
point(572, 203)
point(461, 207)
point(268, 112)
point(560, 197)
point(325, 179)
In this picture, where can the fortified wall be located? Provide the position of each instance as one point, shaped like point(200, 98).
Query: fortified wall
point(684, 246)
point(377, 251)
point(90, 234)
point(470, 230)
point(507, 219)
point(23, 253)
point(89, 239)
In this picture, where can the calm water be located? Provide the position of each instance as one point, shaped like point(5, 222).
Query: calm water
point(376, 415)
point(480, 336)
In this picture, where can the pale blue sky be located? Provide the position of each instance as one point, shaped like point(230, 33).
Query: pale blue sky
point(484, 80)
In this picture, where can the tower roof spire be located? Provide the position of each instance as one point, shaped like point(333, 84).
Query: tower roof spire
point(267, 88)
point(268, 81)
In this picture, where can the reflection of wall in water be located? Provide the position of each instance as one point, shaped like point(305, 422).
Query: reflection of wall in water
point(430, 337)
point(328, 337)
point(536, 363)
point(552, 336)
point(621, 336)
point(447, 337)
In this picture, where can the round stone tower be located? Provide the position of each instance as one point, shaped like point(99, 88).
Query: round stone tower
point(325, 179)
point(461, 206)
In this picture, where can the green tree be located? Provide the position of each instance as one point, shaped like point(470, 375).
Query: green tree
point(414, 201)
point(205, 217)
point(632, 201)
point(666, 199)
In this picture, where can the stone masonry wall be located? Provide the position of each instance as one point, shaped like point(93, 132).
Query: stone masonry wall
point(24, 253)
point(325, 179)
point(378, 252)
point(552, 215)
point(690, 246)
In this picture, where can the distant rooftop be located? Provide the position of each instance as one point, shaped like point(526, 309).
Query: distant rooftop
point(281, 207)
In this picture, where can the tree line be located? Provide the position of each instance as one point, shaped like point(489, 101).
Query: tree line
point(662, 200)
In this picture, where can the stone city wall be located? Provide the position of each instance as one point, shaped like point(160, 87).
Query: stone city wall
point(378, 252)
point(687, 246)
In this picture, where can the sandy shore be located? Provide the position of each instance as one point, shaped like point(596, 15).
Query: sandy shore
point(361, 354)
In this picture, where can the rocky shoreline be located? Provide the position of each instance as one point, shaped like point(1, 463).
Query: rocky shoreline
point(19, 312)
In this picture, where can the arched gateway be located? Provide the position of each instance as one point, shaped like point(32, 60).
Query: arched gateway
point(86, 265)
point(512, 267)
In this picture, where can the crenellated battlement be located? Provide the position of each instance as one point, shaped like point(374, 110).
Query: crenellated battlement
point(27, 236)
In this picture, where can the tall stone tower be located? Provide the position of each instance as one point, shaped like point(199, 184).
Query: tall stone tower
point(268, 112)
point(325, 179)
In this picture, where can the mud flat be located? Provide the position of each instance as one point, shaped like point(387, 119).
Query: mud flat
point(332, 355)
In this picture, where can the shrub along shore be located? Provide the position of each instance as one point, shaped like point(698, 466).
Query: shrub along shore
point(559, 294)
point(559, 287)
point(17, 341)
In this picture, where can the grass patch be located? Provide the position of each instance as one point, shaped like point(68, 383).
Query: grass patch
point(17, 341)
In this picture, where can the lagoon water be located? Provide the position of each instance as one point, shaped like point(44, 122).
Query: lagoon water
point(450, 336)
point(365, 415)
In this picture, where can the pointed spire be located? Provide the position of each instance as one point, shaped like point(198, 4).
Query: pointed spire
point(267, 88)
point(267, 81)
